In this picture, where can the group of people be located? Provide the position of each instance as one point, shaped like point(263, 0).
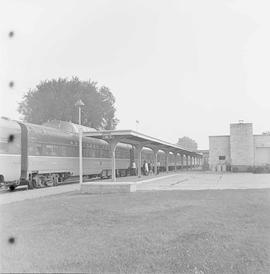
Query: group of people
point(147, 168)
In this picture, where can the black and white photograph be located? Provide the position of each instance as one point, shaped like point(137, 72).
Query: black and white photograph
point(135, 136)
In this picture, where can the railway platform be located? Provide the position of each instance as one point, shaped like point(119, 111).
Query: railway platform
point(185, 180)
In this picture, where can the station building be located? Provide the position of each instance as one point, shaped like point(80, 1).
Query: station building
point(240, 151)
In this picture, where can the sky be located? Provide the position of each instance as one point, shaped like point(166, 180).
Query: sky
point(179, 67)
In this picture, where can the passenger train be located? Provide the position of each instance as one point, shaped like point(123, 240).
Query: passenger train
point(47, 155)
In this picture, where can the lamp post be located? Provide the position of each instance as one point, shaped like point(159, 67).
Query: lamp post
point(80, 104)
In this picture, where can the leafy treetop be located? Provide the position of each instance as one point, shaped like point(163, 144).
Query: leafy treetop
point(55, 99)
point(187, 143)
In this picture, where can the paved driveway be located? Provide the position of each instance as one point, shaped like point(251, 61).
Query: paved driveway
point(201, 181)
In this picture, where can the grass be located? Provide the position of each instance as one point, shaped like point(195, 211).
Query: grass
point(163, 232)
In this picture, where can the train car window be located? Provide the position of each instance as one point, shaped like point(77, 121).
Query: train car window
point(97, 153)
point(57, 150)
point(75, 151)
point(90, 152)
point(121, 153)
point(103, 153)
point(86, 152)
point(71, 151)
point(38, 149)
point(32, 149)
point(62, 150)
point(48, 149)
point(66, 151)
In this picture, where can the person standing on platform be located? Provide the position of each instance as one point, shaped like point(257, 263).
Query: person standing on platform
point(158, 167)
point(145, 168)
point(150, 168)
point(133, 168)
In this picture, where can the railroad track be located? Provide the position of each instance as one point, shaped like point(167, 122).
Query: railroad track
point(66, 182)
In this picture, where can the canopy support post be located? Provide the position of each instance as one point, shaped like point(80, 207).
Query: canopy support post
point(175, 161)
point(113, 143)
point(167, 161)
point(155, 150)
point(139, 149)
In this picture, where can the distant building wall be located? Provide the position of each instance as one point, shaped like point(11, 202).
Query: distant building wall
point(241, 146)
point(219, 152)
point(262, 150)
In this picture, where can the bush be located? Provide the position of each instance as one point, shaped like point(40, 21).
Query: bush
point(262, 169)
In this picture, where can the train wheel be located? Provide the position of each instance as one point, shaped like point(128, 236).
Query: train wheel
point(11, 188)
point(55, 180)
point(38, 182)
point(34, 184)
point(48, 183)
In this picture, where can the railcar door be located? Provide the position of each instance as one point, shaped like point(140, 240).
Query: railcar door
point(24, 151)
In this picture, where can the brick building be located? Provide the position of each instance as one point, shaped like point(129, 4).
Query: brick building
point(239, 151)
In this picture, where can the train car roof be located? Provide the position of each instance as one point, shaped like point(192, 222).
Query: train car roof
point(9, 123)
point(44, 133)
point(68, 126)
point(41, 133)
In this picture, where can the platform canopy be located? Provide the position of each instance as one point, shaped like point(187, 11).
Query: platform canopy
point(139, 140)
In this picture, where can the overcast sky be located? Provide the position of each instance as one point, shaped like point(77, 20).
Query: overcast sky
point(182, 68)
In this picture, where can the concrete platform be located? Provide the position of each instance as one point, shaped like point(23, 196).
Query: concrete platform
point(107, 187)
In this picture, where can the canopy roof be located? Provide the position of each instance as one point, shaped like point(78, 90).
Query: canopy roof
point(136, 138)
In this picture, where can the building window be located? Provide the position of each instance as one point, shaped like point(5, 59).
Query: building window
point(221, 157)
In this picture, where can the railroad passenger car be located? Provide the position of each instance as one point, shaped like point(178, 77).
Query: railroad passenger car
point(39, 156)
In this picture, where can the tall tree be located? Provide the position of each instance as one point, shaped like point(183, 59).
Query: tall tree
point(187, 143)
point(55, 99)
